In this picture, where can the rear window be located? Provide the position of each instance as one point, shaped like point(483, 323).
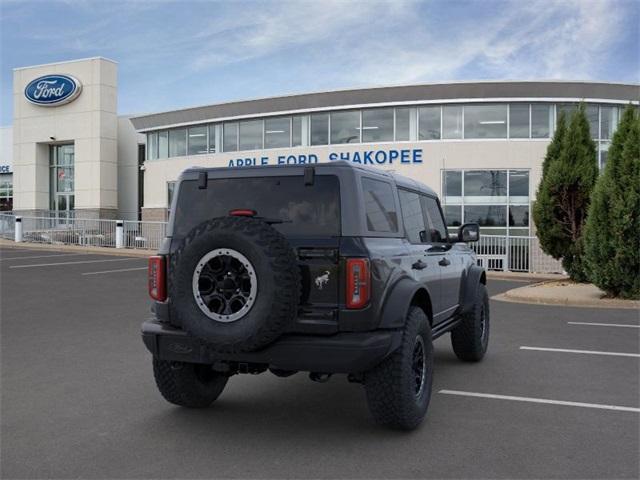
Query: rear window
point(307, 210)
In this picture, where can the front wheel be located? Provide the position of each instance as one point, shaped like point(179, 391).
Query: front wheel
point(188, 384)
point(399, 389)
point(470, 338)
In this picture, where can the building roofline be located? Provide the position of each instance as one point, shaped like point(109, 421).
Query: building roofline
point(392, 94)
point(65, 61)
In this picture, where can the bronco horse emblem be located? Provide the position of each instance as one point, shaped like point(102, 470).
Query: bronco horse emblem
point(322, 280)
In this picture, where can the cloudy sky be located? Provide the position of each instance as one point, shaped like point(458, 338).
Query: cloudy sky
point(174, 54)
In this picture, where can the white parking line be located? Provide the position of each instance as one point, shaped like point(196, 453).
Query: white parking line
point(590, 352)
point(115, 271)
point(605, 324)
point(42, 256)
point(77, 263)
point(541, 400)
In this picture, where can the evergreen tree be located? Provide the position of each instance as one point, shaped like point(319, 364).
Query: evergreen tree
point(612, 239)
point(563, 198)
point(549, 232)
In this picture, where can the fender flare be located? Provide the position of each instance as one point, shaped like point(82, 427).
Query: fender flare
point(396, 305)
point(475, 277)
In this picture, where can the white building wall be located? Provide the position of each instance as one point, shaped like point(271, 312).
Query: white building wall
point(436, 156)
point(128, 169)
point(6, 149)
point(90, 122)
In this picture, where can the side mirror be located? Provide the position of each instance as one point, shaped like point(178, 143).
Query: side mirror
point(469, 232)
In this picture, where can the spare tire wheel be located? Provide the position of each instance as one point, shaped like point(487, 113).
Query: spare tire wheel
point(234, 283)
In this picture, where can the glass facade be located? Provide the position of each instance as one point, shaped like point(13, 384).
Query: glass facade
point(498, 200)
point(6, 192)
point(492, 121)
point(61, 178)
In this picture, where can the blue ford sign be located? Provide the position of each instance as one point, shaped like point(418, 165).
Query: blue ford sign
point(53, 90)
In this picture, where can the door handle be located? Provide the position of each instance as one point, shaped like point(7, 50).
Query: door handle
point(419, 265)
point(444, 262)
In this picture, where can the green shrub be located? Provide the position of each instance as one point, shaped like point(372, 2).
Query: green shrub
point(569, 174)
point(612, 233)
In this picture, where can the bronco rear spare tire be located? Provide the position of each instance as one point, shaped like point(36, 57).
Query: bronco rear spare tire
point(234, 282)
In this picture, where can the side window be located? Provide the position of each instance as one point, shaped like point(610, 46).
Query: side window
point(437, 229)
point(412, 215)
point(380, 208)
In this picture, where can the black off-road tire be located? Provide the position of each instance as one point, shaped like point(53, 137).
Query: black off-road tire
point(188, 384)
point(278, 280)
point(391, 386)
point(470, 338)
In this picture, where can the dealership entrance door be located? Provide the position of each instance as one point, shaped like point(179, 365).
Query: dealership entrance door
point(61, 180)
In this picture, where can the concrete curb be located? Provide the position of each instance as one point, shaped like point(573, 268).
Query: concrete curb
point(544, 293)
point(525, 277)
point(125, 252)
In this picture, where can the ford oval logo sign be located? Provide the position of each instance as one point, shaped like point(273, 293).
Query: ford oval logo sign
point(53, 90)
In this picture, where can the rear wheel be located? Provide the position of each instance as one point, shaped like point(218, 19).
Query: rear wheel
point(470, 338)
point(188, 384)
point(399, 389)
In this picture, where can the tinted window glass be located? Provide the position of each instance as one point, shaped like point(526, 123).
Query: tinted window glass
point(251, 135)
point(345, 127)
point(380, 208)
point(452, 121)
point(485, 121)
point(305, 210)
point(320, 129)
point(296, 131)
point(487, 184)
point(486, 215)
point(437, 230)
point(453, 215)
point(452, 181)
point(429, 123)
point(230, 137)
point(541, 117)
point(519, 120)
point(178, 142)
point(403, 122)
point(212, 139)
point(412, 215)
point(197, 140)
point(592, 115)
point(377, 125)
point(608, 121)
point(277, 132)
point(519, 216)
point(518, 184)
point(163, 144)
point(152, 146)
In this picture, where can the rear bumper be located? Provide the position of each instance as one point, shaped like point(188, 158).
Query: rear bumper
point(339, 353)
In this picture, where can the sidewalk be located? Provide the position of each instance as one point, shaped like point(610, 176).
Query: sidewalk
point(567, 293)
point(127, 252)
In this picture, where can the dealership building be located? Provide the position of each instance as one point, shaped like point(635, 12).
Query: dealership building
point(479, 145)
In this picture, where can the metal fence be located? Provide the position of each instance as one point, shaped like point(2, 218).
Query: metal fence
point(516, 254)
point(58, 230)
point(7, 226)
point(147, 235)
point(495, 252)
point(69, 231)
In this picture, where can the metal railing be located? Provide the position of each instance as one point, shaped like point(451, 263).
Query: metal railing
point(95, 232)
point(7, 226)
point(516, 254)
point(148, 235)
point(495, 252)
point(69, 231)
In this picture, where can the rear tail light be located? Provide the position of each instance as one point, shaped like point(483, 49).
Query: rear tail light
point(358, 282)
point(157, 278)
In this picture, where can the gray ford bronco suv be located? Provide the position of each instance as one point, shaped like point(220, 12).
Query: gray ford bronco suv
point(325, 268)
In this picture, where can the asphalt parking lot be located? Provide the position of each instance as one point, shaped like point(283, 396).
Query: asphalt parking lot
point(79, 401)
